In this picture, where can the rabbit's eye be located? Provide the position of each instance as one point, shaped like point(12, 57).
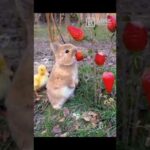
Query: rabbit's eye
point(67, 51)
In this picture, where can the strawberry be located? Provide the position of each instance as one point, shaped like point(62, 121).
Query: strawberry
point(111, 23)
point(76, 33)
point(108, 80)
point(135, 37)
point(79, 56)
point(146, 83)
point(100, 58)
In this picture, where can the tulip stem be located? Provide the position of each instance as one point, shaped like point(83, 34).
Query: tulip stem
point(95, 85)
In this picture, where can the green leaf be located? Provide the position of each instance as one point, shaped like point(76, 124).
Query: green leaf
point(90, 52)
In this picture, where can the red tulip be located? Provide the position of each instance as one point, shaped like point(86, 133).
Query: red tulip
point(135, 37)
point(79, 55)
point(76, 33)
point(108, 80)
point(111, 23)
point(146, 83)
point(100, 58)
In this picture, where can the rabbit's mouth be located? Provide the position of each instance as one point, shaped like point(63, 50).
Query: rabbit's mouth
point(73, 62)
point(70, 64)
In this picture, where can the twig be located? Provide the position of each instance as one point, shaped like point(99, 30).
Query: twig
point(95, 85)
point(48, 23)
point(59, 32)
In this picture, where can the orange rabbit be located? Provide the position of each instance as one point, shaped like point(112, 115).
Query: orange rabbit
point(64, 76)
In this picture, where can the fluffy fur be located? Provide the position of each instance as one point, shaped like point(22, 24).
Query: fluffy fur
point(64, 76)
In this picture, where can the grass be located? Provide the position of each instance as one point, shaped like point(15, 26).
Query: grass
point(81, 103)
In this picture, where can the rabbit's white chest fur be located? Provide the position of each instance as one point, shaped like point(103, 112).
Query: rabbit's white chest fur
point(67, 92)
point(75, 74)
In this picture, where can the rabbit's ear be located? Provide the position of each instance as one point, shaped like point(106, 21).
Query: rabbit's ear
point(55, 46)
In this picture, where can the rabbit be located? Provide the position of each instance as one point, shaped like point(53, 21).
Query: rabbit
point(64, 75)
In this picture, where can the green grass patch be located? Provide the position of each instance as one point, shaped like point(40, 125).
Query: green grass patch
point(81, 103)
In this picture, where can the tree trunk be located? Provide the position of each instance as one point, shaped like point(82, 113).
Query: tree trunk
point(54, 30)
point(51, 27)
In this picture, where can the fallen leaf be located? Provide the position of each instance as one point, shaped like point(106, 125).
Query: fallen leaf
point(92, 117)
point(92, 113)
point(57, 135)
point(86, 118)
point(43, 132)
point(62, 119)
point(74, 127)
point(64, 134)
point(76, 116)
point(66, 112)
point(56, 129)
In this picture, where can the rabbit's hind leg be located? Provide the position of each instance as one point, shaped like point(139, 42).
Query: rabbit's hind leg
point(58, 103)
